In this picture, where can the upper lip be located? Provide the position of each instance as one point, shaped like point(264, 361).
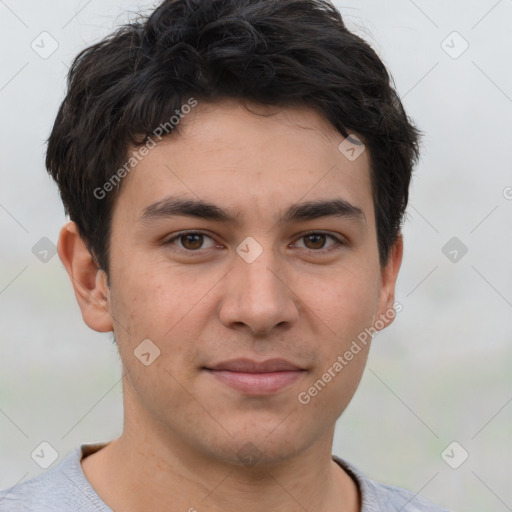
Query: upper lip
point(250, 366)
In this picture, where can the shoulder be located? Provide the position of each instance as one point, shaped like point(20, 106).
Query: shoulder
point(387, 498)
point(59, 489)
point(391, 498)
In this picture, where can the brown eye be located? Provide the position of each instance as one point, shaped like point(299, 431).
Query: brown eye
point(192, 242)
point(317, 240)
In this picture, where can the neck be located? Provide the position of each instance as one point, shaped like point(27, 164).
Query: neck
point(152, 469)
point(133, 476)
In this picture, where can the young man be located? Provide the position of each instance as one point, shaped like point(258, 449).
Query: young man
point(236, 172)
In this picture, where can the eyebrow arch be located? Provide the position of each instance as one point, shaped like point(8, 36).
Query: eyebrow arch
point(312, 210)
point(174, 206)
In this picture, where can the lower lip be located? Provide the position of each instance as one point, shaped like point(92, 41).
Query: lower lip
point(257, 383)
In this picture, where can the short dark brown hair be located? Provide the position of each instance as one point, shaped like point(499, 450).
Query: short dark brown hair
point(273, 52)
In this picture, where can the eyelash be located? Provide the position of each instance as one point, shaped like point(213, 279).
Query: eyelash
point(338, 243)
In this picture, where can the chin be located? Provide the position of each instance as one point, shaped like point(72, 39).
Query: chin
point(259, 447)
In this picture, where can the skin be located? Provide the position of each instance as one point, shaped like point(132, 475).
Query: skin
point(303, 299)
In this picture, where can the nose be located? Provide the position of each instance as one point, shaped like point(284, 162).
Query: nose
point(258, 295)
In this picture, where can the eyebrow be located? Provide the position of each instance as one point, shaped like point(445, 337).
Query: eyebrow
point(197, 208)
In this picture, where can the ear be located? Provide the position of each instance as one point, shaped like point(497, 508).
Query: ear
point(389, 274)
point(89, 282)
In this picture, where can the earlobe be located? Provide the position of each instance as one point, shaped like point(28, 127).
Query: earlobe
point(389, 274)
point(89, 282)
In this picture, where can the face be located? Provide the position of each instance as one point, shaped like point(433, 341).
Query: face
point(250, 301)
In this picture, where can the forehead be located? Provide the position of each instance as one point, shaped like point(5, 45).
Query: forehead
point(253, 157)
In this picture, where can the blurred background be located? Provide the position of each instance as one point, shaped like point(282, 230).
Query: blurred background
point(433, 412)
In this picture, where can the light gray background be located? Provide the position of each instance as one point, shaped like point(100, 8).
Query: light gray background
point(440, 373)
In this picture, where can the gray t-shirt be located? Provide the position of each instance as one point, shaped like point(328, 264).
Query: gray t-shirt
point(65, 488)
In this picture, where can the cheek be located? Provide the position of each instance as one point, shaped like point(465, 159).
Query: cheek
point(146, 295)
point(164, 307)
point(138, 304)
point(343, 352)
point(344, 303)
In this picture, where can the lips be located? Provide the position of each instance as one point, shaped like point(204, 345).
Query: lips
point(256, 378)
point(250, 366)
